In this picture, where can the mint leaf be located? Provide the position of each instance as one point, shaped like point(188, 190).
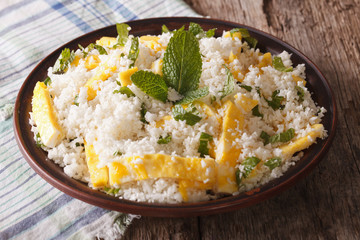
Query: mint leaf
point(203, 149)
point(123, 33)
point(165, 140)
point(38, 141)
point(164, 29)
point(100, 49)
point(195, 28)
point(182, 62)
point(90, 47)
point(134, 51)
point(300, 92)
point(245, 35)
point(47, 81)
point(210, 33)
point(150, 83)
point(229, 84)
point(280, 137)
point(246, 87)
point(194, 95)
point(243, 31)
point(248, 165)
point(273, 163)
point(199, 33)
point(66, 57)
point(117, 153)
point(255, 111)
point(279, 65)
point(275, 102)
point(125, 90)
point(189, 115)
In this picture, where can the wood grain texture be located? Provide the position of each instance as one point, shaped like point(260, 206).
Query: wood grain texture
point(324, 205)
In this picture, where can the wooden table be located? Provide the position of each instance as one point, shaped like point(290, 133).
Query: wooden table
point(324, 205)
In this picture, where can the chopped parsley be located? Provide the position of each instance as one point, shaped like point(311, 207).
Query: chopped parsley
point(164, 140)
point(275, 102)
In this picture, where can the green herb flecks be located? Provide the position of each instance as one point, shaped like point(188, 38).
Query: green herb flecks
point(275, 102)
point(182, 62)
point(65, 59)
point(123, 33)
point(125, 90)
point(134, 51)
point(164, 29)
point(117, 153)
point(111, 191)
point(198, 32)
point(252, 42)
point(280, 137)
point(164, 140)
point(76, 100)
point(143, 111)
point(246, 87)
point(150, 83)
point(273, 163)
point(229, 84)
point(47, 81)
point(255, 112)
point(191, 96)
point(203, 149)
point(300, 92)
point(90, 47)
point(245, 168)
point(279, 65)
point(189, 115)
point(77, 144)
point(38, 141)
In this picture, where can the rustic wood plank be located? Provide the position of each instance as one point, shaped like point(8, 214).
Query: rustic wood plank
point(325, 205)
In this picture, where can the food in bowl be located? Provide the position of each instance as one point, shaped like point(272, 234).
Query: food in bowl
point(179, 117)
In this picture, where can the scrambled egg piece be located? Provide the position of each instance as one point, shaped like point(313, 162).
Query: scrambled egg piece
point(227, 152)
point(124, 76)
point(45, 117)
point(98, 176)
point(304, 142)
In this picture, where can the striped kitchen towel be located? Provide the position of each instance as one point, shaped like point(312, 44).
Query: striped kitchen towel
point(30, 208)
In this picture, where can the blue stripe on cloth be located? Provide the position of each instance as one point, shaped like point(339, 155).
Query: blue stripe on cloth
point(19, 71)
point(124, 11)
point(61, 8)
point(31, 220)
point(100, 16)
point(13, 7)
point(150, 7)
point(86, 219)
point(11, 163)
point(18, 186)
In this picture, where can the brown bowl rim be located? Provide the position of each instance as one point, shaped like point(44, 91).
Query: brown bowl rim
point(53, 174)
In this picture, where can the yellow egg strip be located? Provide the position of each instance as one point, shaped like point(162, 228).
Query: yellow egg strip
point(45, 117)
point(99, 177)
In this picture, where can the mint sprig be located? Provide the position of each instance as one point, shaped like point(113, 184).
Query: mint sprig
point(150, 83)
point(182, 62)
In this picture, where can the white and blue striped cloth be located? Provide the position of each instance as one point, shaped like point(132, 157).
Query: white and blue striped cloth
point(30, 208)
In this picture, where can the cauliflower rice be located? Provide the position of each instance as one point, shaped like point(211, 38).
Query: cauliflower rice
point(114, 123)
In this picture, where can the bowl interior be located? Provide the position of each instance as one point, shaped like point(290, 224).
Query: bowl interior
point(54, 174)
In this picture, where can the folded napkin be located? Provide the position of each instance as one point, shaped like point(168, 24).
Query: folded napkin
point(30, 208)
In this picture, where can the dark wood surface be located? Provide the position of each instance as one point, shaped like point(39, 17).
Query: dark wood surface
point(324, 205)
